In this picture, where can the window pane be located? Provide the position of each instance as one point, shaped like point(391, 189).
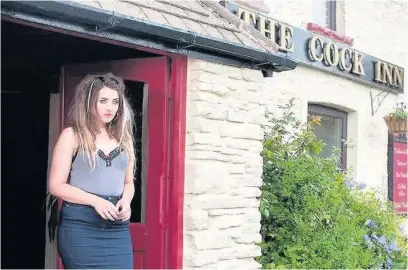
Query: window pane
point(318, 12)
point(330, 132)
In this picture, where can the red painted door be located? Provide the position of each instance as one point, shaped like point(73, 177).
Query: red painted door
point(150, 75)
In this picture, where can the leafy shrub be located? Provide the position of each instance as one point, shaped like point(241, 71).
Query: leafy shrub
point(313, 214)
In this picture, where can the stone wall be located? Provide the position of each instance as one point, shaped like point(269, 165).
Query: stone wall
point(225, 114)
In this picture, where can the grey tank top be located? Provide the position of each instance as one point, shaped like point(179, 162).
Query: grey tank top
point(108, 177)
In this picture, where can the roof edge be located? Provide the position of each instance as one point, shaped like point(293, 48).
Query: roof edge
point(240, 24)
point(110, 21)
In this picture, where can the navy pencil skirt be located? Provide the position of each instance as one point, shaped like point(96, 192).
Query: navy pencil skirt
point(86, 240)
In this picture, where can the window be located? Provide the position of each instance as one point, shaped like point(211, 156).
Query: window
point(333, 130)
point(324, 13)
point(331, 14)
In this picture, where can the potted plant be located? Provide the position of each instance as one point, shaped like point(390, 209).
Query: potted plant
point(397, 119)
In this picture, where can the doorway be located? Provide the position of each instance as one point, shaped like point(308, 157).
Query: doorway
point(24, 140)
point(31, 66)
point(148, 235)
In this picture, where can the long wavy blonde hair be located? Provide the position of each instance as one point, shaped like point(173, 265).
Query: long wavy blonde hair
point(83, 116)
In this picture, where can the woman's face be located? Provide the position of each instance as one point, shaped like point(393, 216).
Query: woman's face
point(107, 105)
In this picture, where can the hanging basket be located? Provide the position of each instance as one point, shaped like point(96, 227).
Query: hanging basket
point(396, 125)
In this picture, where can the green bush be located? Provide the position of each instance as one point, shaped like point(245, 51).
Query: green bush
point(313, 215)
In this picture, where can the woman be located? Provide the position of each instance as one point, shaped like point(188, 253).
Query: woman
point(92, 172)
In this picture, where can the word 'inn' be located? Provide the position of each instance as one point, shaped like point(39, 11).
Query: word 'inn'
point(388, 74)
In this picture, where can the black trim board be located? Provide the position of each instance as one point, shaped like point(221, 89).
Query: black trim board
point(103, 23)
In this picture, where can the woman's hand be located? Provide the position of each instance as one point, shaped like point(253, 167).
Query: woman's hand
point(123, 206)
point(106, 209)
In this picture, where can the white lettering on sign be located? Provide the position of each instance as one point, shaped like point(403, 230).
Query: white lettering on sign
point(328, 53)
point(388, 74)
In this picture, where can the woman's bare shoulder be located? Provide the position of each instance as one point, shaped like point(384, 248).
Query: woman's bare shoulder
point(68, 137)
point(68, 133)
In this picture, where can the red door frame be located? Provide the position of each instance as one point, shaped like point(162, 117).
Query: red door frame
point(177, 134)
point(173, 217)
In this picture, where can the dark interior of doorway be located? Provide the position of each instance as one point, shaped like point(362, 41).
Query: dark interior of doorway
point(31, 61)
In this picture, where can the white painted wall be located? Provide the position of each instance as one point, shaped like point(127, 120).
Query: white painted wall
point(368, 135)
point(379, 28)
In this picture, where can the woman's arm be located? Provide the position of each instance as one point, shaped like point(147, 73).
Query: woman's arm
point(60, 169)
point(129, 189)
